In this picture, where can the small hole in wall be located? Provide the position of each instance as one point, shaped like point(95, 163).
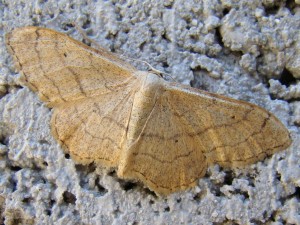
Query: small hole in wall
point(165, 65)
point(102, 190)
point(167, 209)
point(168, 4)
point(112, 173)
point(85, 169)
point(86, 42)
point(72, 6)
point(69, 197)
point(287, 78)
point(149, 192)
point(297, 192)
point(48, 212)
point(228, 178)
point(151, 202)
point(273, 216)
point(197, 197)
point(13, 184)
point(243, 193)
point(217, 192)
point(17, 221)
point(117, 212)
point(86, 24)
point(256, 221)
point(51, 204)
point(142, 45)
point(128, 185)
point(35, 21)
point(225, 11)
point(278, 176)
point(219, 38)
point(68, 26)
point(165, 37)
point(4, 90)
point(4, 140)
point(291, 5)
point(265, 214)
point(44, 142)
point(15, 168)
point(27, 200)
point(272, 10)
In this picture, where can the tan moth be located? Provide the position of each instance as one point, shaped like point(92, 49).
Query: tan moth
point(161, 133)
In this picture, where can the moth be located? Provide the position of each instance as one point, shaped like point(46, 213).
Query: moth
point(161, 133)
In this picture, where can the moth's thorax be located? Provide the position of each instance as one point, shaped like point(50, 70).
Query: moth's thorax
point(150, 83)
point(150, 89)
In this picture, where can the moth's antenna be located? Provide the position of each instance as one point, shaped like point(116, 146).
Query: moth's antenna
point(84, 35)
point(152, 69)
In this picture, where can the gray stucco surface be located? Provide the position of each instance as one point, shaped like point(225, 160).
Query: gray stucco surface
point(248, 50)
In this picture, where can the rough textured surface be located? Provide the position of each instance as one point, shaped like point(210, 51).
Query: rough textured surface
point(243, 49)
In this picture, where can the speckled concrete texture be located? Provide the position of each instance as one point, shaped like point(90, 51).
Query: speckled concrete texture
point(248, 50)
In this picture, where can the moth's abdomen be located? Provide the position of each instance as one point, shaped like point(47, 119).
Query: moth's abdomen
point(146, 97)
point(144, 101)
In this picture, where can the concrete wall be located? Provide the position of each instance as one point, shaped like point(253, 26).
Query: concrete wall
point(248, 50)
